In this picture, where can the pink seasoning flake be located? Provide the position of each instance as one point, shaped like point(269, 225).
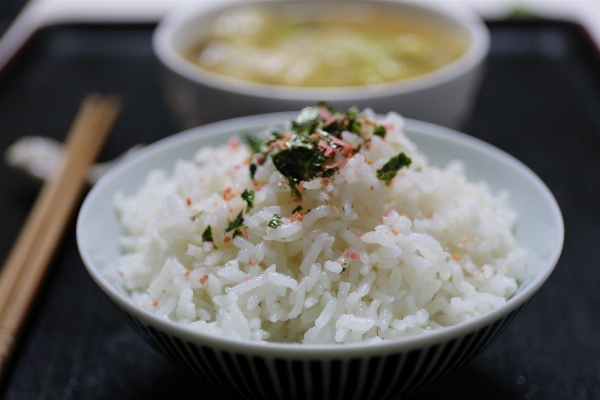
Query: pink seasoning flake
point(324, 114)
point(203, 279)
point(339, 142)
point(388, 127)
point(244, 232)
point(332, 166)
point(345, 163)
point(327, 148)
point(234, 143)
point(352, 254)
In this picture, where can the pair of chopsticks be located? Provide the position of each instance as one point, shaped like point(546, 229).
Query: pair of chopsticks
point(27, 262)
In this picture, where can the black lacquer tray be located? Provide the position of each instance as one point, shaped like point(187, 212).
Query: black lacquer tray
point(540, 101)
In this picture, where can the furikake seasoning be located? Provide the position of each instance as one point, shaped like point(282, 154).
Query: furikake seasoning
point(312, 146)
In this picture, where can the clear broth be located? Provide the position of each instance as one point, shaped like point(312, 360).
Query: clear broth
point(351, 48)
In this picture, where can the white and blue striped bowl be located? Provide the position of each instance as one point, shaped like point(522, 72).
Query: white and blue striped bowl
point(385, 370)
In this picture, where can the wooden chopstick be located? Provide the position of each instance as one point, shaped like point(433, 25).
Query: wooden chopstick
point(27, 262)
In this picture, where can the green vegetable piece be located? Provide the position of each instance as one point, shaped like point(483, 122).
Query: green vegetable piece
point(196, 216)
point(297, 209)
point(335, 127)
point(236, 224)
point(352, 115)
point(379, 130)
point(256, 142)
point(330, 172)
point(349, 122)
point(294, 190)
point(207, 235)
point(307, 120)
point(277, 134)
point(299, 163)
point(275, 221)
point(237, 232)
point(326, 105)
point(248, 196)
point(391, 168)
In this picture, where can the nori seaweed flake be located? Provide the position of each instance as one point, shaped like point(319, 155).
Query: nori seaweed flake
point(391, 168)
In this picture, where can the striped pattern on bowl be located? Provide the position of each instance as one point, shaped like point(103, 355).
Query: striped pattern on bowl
point(386, 376)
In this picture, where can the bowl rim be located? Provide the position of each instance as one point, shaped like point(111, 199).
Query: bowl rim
point(459, 13)
point(428, 339)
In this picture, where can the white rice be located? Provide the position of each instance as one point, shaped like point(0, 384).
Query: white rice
point(368, 262)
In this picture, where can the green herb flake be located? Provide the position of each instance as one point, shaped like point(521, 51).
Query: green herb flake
point(391, 168)
point(354, 125)
point(236, 224)
point(349, 121)
point(207, 235)
point(379, 130)
point(256, 142)
point(324, 104)
point(248, 197)
point(275, 221)
point(297, 209)
point(195, 216)
point(294, 190)
point(253, 168)
point(307, 120)
point(236, 232)
point(277, 135)
point(299, 162)
point(329, 172)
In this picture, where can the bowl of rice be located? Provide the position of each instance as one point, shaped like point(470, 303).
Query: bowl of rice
point(423, 59)
point(320, 254)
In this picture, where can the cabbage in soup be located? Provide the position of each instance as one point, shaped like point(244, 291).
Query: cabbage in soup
point(359, 46)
